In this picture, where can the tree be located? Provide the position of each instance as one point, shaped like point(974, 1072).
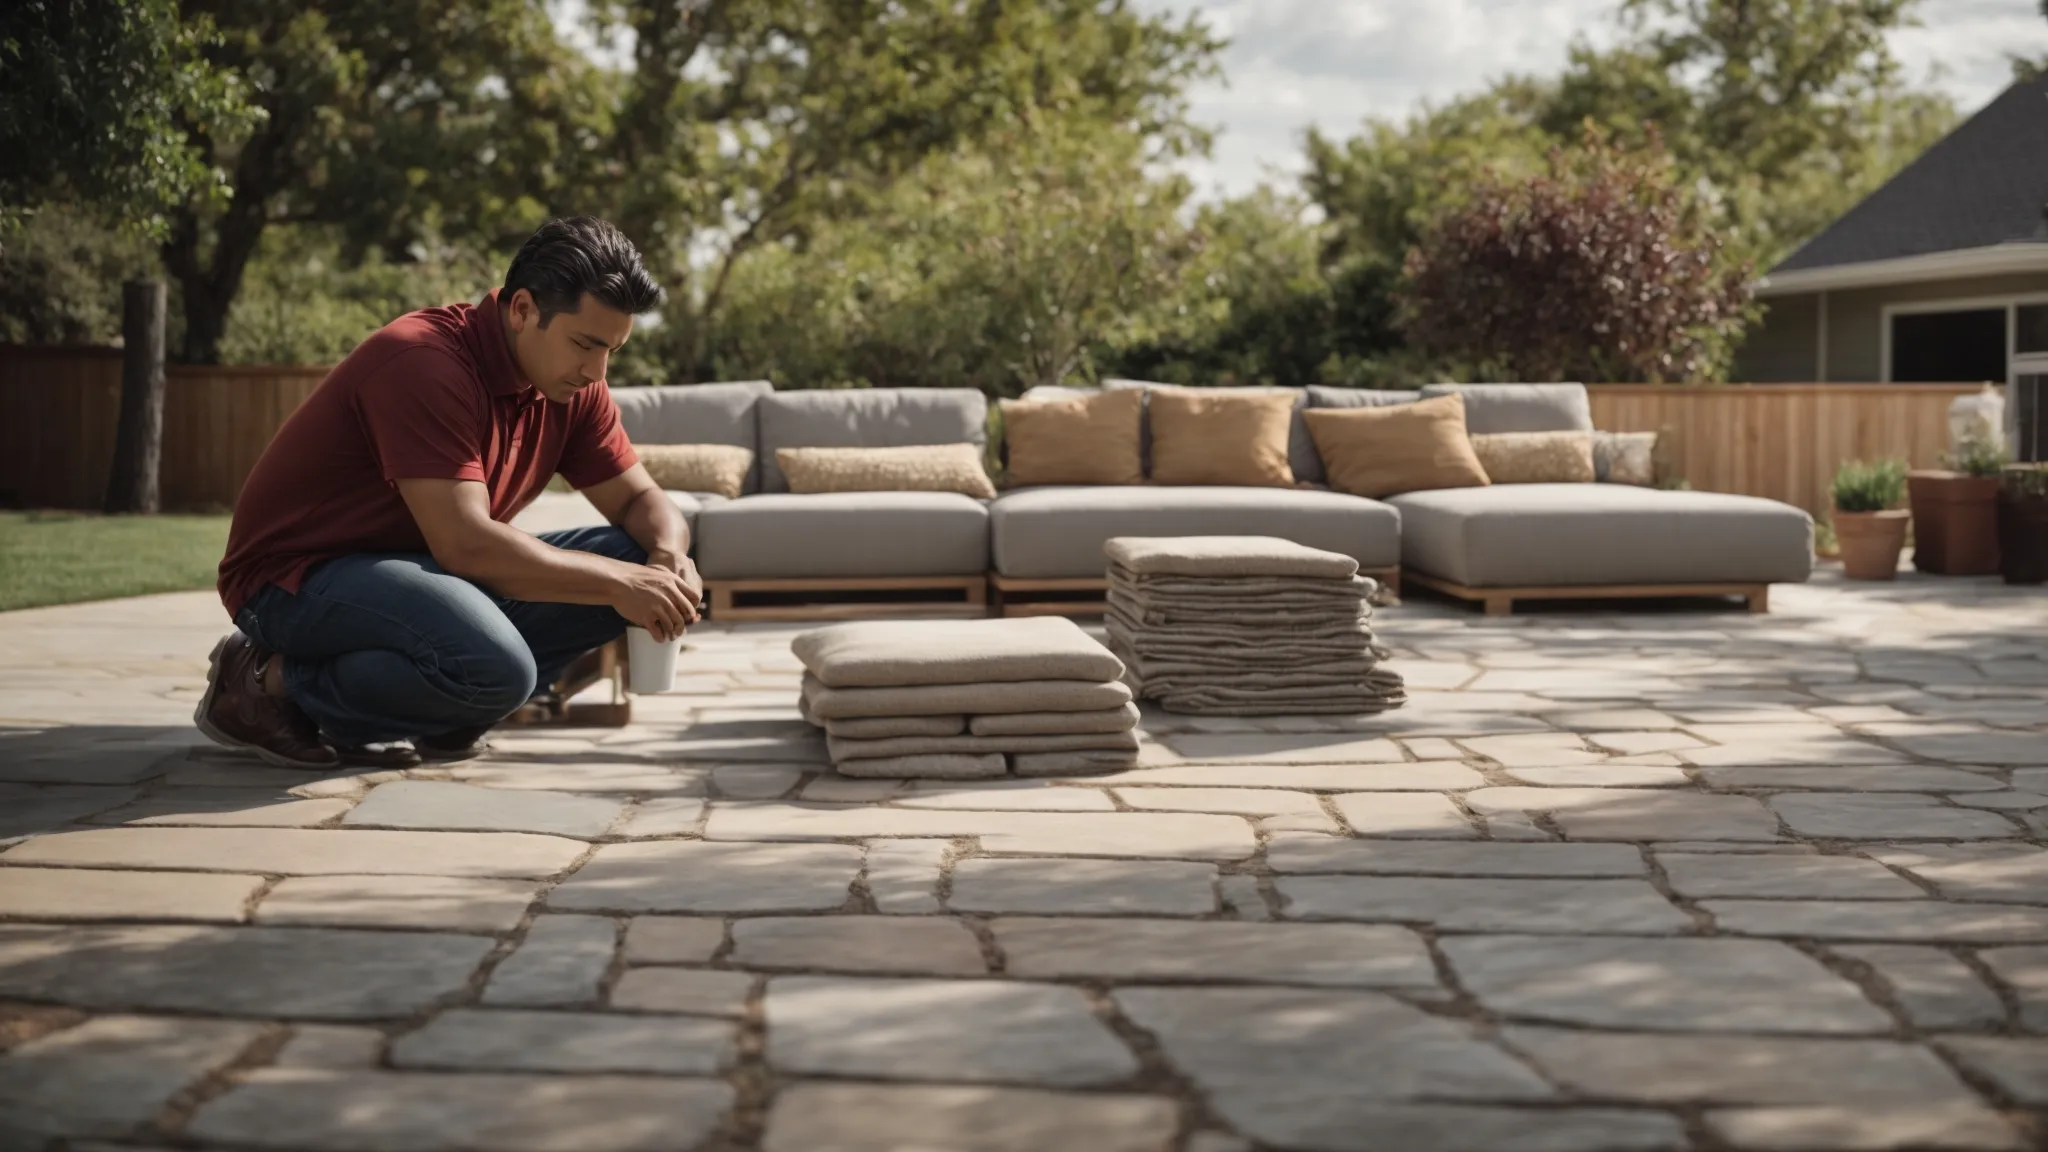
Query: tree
point(2024, 68)
point(749, 123)
point(1011, 265)
point(1789, 110)
point(401, 122)
point(1603, 268)
point(92, 95)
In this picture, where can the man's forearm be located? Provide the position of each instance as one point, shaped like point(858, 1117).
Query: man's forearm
point(518, 566)
point(656, 524)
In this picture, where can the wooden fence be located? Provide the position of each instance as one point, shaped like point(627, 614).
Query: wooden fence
point(1782, 441)
point(58, 408)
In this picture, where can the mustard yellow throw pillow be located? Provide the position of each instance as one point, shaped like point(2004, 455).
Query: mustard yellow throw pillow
point(918, 468)
point(1396, 449)
point(1075, 440)
point(720, 468)
point(1221, 436)
point(1536, 457)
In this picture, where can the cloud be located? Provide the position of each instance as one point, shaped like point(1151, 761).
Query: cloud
point(1293, 64)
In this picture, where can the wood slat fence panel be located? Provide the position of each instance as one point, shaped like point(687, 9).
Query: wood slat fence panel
point(1782, 441)
point(58, 408)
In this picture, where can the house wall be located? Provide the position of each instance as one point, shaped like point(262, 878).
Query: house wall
point(1779, 348)
point(1856, 317)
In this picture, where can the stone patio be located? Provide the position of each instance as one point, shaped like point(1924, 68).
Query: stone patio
point(1631, 880)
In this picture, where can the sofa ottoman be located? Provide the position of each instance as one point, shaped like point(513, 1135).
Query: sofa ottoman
point(853, 534)
point(1599, 540)
point(1057, 532)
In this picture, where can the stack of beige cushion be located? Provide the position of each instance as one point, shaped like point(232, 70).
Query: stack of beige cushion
point(1246, 626)
point(962, 699)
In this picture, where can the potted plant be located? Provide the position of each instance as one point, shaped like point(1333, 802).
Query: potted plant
point(1955, 511)
point(2023, 524)
point(1870, 530)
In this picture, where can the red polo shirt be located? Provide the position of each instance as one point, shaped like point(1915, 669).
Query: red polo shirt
point(432, 395)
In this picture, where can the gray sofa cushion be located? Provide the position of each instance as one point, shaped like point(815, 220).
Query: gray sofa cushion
point(695, 414)
point(867, 418)
point(1492, 408)
point(1058, 532)
point(554, 511)
point(1301, 448)
point(1327, 396)
point(1538, 535)
point(843, 534)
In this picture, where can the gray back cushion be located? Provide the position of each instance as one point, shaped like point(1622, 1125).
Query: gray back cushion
point(1493, 408)
point(1301, 449)
point(867, 418)
point(695, 414)
point(1328, 396)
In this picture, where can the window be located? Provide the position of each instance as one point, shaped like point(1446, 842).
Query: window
point(2030, 330)
point(1956, 346)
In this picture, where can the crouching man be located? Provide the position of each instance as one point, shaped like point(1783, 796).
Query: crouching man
point(385, 611)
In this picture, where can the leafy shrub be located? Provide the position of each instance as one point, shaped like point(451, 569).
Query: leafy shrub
point(1869, 486)
point(1604, 268)
point(1976, 456)
point(2026, 480)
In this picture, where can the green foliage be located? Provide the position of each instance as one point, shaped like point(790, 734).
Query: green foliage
point(1603, 268)
point(96, 100)
point(1000, 269)
point(398, 122)
point(60, 278)
point(2028, 481)
point(1976, 456)
point(1872, 486)
point(747, 125)
point(303, 303)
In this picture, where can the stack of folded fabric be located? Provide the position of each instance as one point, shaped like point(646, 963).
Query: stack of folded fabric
point(967, 698)
point(1246, 626)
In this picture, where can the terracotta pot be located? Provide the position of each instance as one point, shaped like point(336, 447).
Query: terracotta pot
point(1955, 523)
point(2022, 538)
point(1871, 542)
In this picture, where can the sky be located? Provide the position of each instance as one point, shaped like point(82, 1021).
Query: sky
point(1332, 63)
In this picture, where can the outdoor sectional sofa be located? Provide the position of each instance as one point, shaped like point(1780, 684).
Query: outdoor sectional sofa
point(771, 554)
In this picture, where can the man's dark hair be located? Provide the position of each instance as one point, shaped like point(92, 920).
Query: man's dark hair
point(568, 258)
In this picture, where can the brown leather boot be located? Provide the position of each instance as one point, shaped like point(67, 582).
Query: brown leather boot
point(236, 712)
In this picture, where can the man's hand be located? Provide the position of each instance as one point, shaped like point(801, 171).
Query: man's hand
point(684, 567)
point(657, 599)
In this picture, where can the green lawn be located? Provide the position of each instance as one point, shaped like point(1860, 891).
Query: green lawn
point(67, 557)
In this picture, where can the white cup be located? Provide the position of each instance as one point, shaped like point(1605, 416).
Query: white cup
point(650, 664)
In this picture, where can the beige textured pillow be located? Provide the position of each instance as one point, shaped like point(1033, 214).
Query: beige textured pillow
point(1625, 458)
point(1536, 457)
point(1078, 440)
point(1396, 449)
point(720, 468)
point(1221, 437)
point(918, 468)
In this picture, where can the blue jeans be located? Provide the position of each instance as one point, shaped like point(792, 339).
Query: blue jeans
point(389, 646)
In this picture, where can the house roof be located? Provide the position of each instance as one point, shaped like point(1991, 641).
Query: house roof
point(1983, 186)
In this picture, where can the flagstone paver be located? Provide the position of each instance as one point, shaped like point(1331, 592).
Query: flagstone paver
point(890, 1118)
point(1683, 985)
point(562, 960)
point(321, 1110)
point(474, 1040)
point(450, 903)
point(111, 1074)
point(694, 991)
point(1627, 880)
point(941, 1030)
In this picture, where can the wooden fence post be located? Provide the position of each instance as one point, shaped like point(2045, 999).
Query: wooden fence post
point(134, 483)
